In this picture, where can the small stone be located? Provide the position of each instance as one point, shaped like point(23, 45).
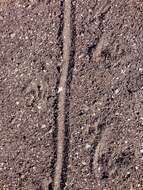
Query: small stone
point(39, 107)
point(136, 167)
point(81, 56)
point(117, 113)
point(1, 164)
point(87, 146)
point(34, 168)
point(60, 89)
point(17, 4)
point(90, 10)
point(50, 131)
point(17, 103)
point(141, 151)
point(12, 35)
point(123, 71)
point(47, 64)
point(116, 91)
point(22, 176)
point(82, 34)
point(83, 163)
point(43, 126)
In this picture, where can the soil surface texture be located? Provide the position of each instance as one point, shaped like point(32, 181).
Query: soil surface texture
point(71, 94)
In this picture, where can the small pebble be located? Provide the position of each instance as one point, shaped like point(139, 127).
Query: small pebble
point(12, 35)
point(87, 146)
point(136, 167)
point(83, 163)
point(116, 91)
point(39, 107)
point(43, 126)
point(17, 103)
point(141, 151)
point(81, 56)
point(60, 89)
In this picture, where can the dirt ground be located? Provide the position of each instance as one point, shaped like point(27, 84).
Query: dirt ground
point(103, 98)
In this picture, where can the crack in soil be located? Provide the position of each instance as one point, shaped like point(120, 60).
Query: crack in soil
point(62, 94)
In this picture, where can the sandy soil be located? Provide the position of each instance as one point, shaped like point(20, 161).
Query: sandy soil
point(71, 95)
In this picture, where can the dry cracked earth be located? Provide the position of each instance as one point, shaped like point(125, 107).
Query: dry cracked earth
point(71, 94)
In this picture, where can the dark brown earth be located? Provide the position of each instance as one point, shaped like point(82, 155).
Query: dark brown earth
point(102, 90)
